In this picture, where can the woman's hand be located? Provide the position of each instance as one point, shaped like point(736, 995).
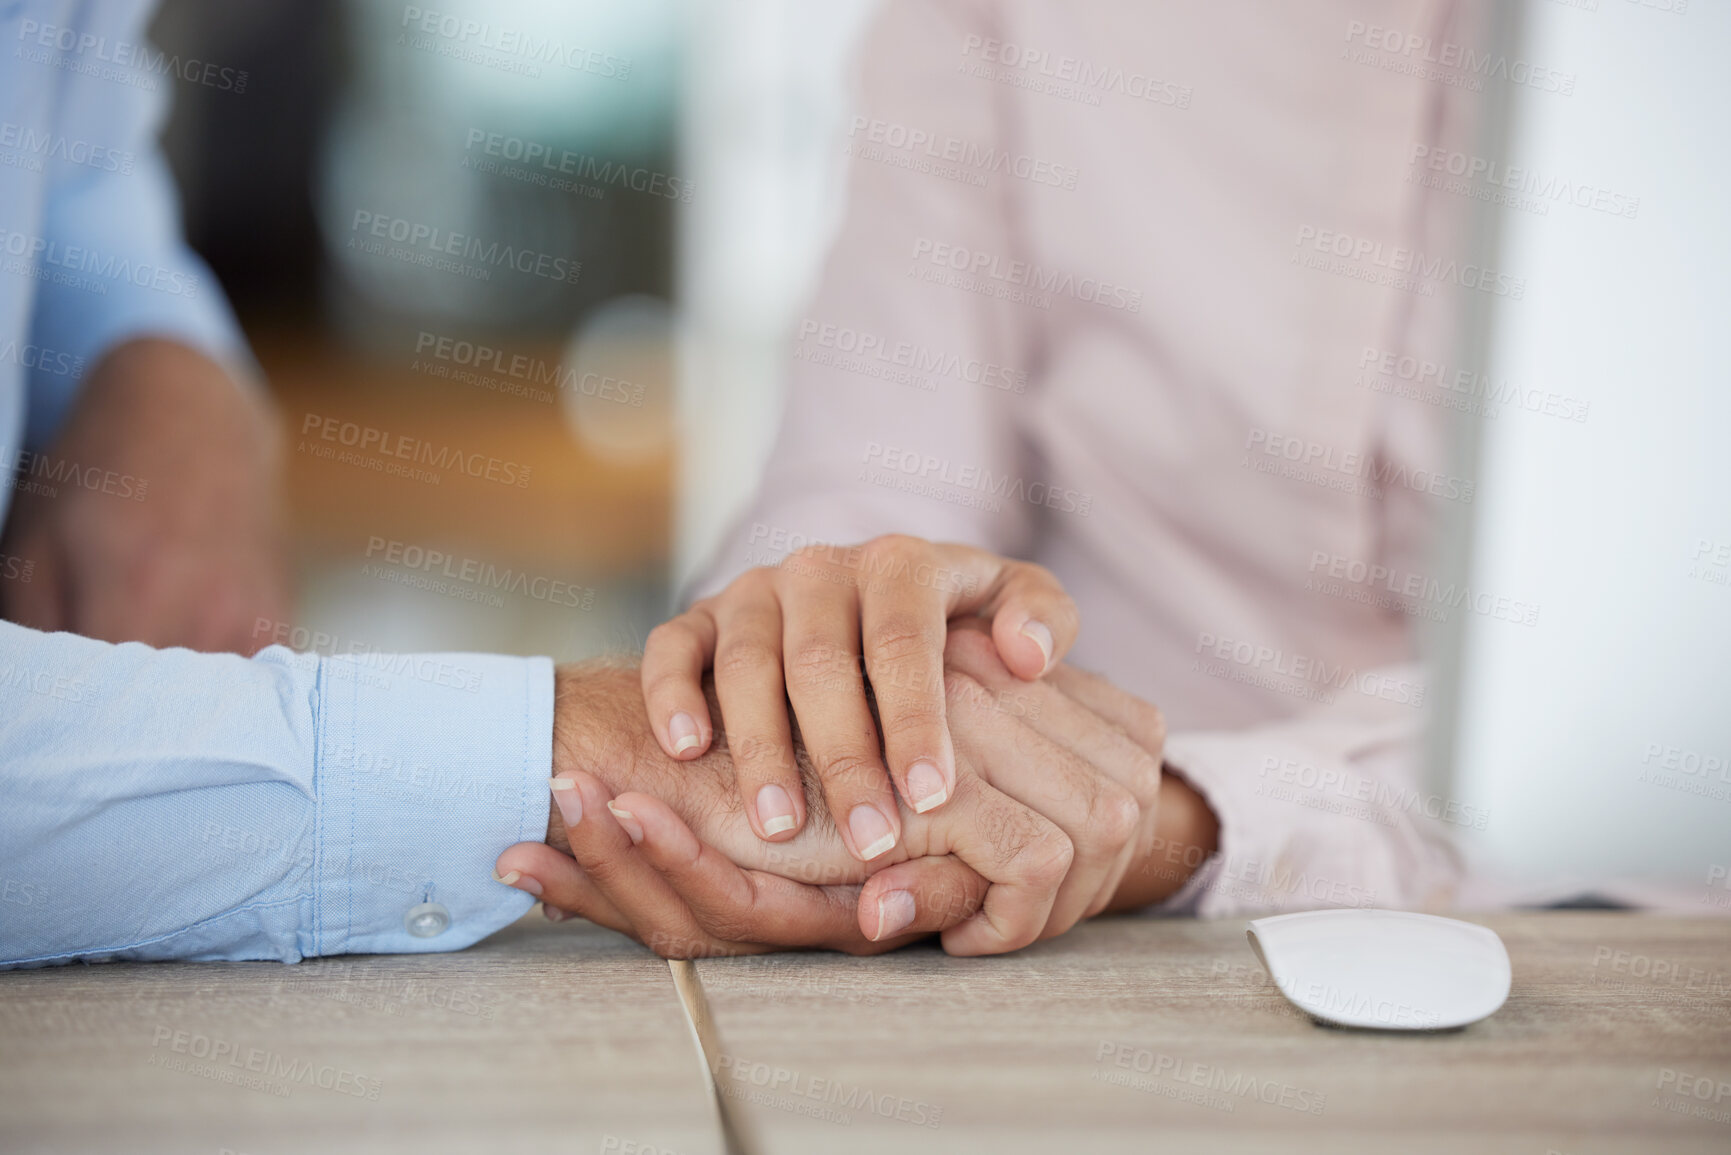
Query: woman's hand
point(811, 632)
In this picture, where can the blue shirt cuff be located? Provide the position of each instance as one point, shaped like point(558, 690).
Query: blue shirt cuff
point(427, 767)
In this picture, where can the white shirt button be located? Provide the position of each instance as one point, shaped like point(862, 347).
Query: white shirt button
point(428, 920)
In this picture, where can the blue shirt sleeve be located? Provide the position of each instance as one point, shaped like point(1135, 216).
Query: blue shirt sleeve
point(161, 804)
point(110, 240)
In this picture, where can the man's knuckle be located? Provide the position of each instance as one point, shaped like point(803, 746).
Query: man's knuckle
point(1147, 725)
point(1086, 785)
point(1018, 839)
point(1116, 816)
point(1145, 778)
point(1048, 858)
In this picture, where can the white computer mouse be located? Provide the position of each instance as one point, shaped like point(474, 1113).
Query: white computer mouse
point(1384, 969)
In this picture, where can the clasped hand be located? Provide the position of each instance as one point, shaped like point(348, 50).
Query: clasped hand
point(1058, 794)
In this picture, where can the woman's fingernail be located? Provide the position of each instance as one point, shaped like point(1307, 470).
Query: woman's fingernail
point(629, 821)
point(926, 787)
point(570, 802)
point(870, 830)
point(682, 728)
point(553, 913)
point(1037, 633)
point(521, 881)
point(775, 809)
point(895, 914)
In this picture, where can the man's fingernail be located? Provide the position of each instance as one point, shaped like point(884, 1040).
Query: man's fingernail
point(570, 802)
point(628, 820)
point(870, 830)
point(1037, 633)
point(521, 881)
point(926, 787)
point(895, 914)
point(553, 913)
point(775, 809)
point(682, 728)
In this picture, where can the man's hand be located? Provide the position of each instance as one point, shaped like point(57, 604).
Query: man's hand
point(164, 522)
point(1073, 764)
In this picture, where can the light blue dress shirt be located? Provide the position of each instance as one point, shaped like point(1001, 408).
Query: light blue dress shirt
point(160, 803)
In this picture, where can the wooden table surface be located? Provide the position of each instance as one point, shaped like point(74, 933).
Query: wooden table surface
point(1127, 1035)
point(1140, 1035)
point(542, 1038)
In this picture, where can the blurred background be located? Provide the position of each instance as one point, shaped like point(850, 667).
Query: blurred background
point(665, 200)
point(672, 127)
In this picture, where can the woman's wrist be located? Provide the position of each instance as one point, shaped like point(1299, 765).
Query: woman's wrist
point(1186, 834)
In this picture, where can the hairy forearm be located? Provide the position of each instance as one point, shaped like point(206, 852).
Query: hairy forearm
point(1186, 833)
point(599, 726)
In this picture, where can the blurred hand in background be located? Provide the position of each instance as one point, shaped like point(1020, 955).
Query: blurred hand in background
point(156, 514)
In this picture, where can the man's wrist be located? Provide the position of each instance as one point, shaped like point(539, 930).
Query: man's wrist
point(599, 722)
point(564, 740)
